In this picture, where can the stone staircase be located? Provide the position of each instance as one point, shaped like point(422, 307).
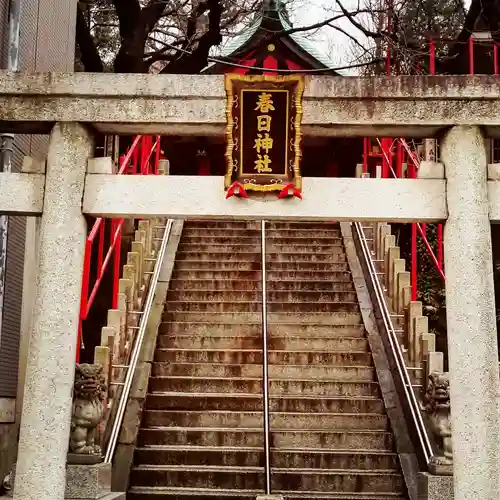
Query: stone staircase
point(201, 433)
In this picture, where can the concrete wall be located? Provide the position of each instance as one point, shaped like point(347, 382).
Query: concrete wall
point(46, 44)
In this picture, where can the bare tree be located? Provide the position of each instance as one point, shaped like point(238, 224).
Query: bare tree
point(404, 29)
point(174, 36)
point(179, 36)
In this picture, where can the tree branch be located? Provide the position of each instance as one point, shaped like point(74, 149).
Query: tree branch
point(194, 62)
point(89, 54)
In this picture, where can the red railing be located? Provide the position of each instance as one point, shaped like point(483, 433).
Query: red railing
point(142, 158)
point(403, 150)
point(404, 154)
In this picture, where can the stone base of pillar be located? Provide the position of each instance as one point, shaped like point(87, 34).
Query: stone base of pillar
point(432, 487)
point(86, 481)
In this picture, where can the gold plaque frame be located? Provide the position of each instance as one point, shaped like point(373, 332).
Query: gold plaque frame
point(235, 85)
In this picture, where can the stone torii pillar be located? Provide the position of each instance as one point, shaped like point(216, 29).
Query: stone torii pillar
point(470, 308)
point(50, 370)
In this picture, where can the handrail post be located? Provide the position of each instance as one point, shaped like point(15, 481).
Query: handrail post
point(265, 381)
point(136, 349)
point(401, 368)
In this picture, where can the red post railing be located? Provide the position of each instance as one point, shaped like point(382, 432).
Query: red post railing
point(402, 150)
point(137, 160)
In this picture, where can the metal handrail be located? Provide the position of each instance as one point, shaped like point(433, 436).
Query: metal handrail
point(129, 377)
point(396, 349)
point(265, 381)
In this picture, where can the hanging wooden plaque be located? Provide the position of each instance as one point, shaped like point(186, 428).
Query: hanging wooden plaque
point(264, 115)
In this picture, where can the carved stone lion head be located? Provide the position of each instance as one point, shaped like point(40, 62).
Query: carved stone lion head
point(437, 395)
point(89, 382)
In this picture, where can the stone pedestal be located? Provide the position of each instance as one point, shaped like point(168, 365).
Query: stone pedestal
point(88, 481)
point(432, 487)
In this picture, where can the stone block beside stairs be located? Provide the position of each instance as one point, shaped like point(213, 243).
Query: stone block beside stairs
point(431, 487)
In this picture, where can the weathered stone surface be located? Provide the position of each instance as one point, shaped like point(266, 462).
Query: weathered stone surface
point(50, 367)
point(342, 199)
point(430, 170)
point(122, 464)
point(470, 308)
point(195, 104)
point(432, 487)
point(102, 165)
point(21, 193)
point(88, 481)
point(7, 410)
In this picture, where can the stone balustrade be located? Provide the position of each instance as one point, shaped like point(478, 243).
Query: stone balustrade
point(418, 343)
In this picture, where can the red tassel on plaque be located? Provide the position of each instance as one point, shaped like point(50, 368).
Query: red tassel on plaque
point(290, 190)
point(236, 189)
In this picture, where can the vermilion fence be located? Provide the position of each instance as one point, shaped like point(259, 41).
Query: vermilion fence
point(394, 153)
point(399, 150)
point(142, 158)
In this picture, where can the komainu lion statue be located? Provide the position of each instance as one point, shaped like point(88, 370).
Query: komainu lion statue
point(88, 409)
point(437, 406)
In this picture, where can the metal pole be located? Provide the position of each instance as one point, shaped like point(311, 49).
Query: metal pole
point(265, 381)
point(7, 140)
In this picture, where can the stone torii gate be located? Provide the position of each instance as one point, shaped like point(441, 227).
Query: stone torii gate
point(460, 110)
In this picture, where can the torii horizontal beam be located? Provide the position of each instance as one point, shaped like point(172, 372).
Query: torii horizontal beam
point(324, 199)
point(411, 106)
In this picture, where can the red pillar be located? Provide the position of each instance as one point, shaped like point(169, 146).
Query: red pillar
point(203, 163)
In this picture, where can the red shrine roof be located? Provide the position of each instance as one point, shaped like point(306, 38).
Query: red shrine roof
point(269, 42)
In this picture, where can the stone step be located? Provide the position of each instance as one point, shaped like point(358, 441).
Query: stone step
point(339, 264)
point(219, 233)
point(170, 493)
point(256, 295)
point(200, 329)
point(282, 371)
point(230, 233)
point(202, 426)
point(306, 225)
point(218, 265)
point(253, 478)
point(254, 356)
point(338, 285)
point(272, 307)
point(272, 285)
point(300, 318)
point(280, 438)
point(195, 340)
point(280, 420)
point(253, 402)
point(277, 387)
point(184, 272)
point(272, 258)
point(256, 239)
point(222, 224)
point(254, 457)
point(303, 233)
point(273, 246)
point(339, 272)
point(333, 272)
